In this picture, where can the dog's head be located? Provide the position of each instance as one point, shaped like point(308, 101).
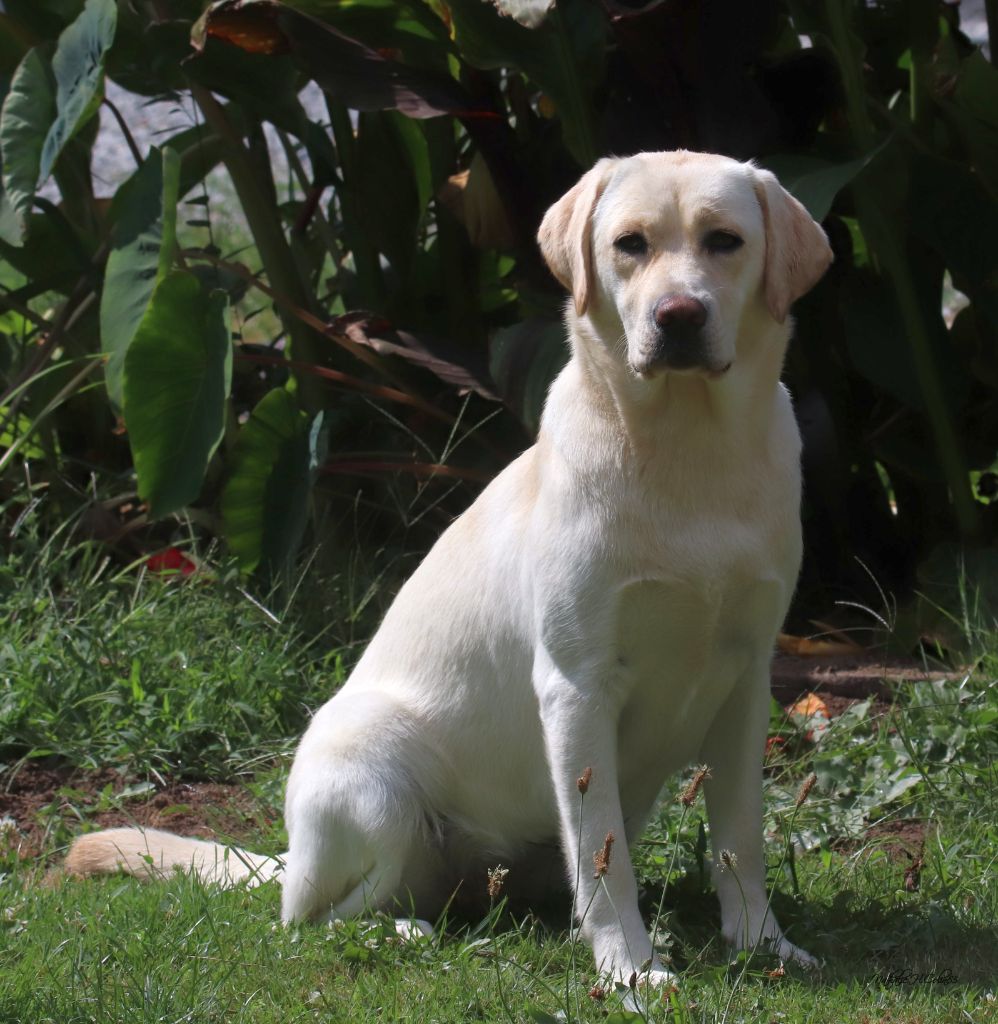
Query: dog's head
point(674, 251)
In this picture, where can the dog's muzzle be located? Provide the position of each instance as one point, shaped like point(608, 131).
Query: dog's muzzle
point(679, 341)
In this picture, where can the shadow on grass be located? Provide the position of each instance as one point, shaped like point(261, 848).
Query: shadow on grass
point(894, 941)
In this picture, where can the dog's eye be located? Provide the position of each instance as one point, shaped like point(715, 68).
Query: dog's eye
point(722, 241)
point(633, 244)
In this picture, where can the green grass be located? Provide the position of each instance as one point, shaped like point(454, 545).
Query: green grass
point(106, 665)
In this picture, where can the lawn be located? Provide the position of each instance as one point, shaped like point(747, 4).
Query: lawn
point(176, 700)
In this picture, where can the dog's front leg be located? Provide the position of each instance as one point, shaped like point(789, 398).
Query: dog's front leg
point(579, 724)
point(733, 750)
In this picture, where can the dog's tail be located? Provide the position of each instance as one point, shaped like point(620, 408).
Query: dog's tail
point(149, 853)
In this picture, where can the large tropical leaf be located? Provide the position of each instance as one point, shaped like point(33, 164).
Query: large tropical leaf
point(955, 215)
point(178, 371)
point(356, 75)
point(265, 502)
point(78, 66)
point(28, 111)
point(563, 57)
point(47, 104)
point(524, 359)
point(815, 182)
point(52, 255)
point(145, 222)
point(408, 27)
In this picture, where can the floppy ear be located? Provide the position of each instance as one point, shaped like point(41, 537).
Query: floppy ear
point(565, 235)
point(797, 250)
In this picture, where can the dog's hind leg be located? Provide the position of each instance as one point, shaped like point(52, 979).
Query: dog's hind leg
point(357, 814)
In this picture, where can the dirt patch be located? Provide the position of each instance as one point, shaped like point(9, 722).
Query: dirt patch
point(43, 800)
point(856, 676)
point(902, 840)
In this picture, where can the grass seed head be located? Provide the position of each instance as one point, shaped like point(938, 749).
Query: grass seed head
point(497, 876)
point(597, 993)
point(806, 786)
point(601, 858)
point(583, 781)
point(728, 859)
point(689, 794)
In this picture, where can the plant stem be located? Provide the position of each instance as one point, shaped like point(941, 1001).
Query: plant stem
point(275, 253)
point(572, 930)
point(126, 132)
point(924, 30)
point(317, 214)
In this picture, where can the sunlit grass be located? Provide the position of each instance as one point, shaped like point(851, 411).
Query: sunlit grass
point(104, 664)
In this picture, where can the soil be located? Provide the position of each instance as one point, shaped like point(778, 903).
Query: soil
point(853, 676)
point(38, 797)
point(44, 800)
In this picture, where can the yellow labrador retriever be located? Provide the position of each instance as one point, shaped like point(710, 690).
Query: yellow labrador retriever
point(609, 602)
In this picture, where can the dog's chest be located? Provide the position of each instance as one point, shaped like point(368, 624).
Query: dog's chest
point(683, 641)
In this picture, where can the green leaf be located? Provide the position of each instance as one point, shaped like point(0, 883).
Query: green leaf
point(539, 1016)
point(977, 88)
point(354, 74)
point(28, 111)
point(78, 66)
point(565, 57)
point(391, 203)
point(265, 502)
point(814, 182)
point(413, 142)
point(953, 213)
point(51, 257)
point(177, 374)
point(144, 213)
point(147, 56)
point(881, 350)
point(524, 359)
point(14, 428)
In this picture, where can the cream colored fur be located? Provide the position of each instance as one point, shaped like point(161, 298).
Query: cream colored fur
point(149, 853)
point(610, 600)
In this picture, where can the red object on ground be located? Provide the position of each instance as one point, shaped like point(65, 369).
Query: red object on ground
point(773, 743)
point(172, 560)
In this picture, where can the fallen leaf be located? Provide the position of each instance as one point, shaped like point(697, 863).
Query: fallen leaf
point(811, 709)
point(460, 368)
point(805, 646)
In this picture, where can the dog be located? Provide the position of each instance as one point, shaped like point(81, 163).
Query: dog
point(603, 615)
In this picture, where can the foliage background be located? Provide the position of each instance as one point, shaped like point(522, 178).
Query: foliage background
point(314, 312)
point(353, 343)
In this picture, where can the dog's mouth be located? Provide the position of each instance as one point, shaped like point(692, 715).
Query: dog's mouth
point(653, 370)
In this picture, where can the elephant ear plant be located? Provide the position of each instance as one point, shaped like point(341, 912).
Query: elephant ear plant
point(378, 318)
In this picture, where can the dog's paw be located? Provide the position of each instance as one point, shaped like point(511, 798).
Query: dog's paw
point(782, 947)
point(647, 987)
point(788, 953)
point(658, 978)
point(412, 928)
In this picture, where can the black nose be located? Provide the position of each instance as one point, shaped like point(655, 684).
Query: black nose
point(681, 312)
point(680, 320)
